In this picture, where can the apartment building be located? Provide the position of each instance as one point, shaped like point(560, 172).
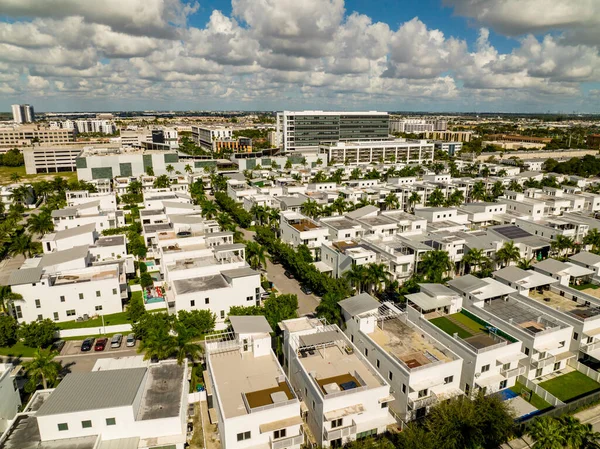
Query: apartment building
point(27, 135)
point(450, 148)
point(420, 370)
point(346, 398)
point(339, 256)
point(368, 151)
point(305, 130)
point(10, 397)
point(297, 229)
point(206, 136)
point(63, 286)
point(248, 391)
point(22, 113)
point(545, 339)
point(138, 407)
point(86, 126)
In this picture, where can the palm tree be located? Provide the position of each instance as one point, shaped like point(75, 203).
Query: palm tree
point(19, 194)
point(23, 244)
point(42, 368)
point(391, 201)
point(355, 174)
point(225, 222)
point(473, 258)
point(134, 187)
point(456, 198)
point(149, 171)
point(562, 243)
point(525, 264)
point(311, 209)
point(274, 218)
point(377, 276)
point(162, 182)
point(434, 265)
point(546, 433)
point(357, 277)
point(339, 205)
point(188, 168)
point(183, 345)
point(260, 214)
point(515, 186)
point(256, 255)
point(413, 199)
point(209, 209)
point(7, 297)
point(478, 193)
point(592, 238)
point(436, 198)
point(170, 168)
point(15, 177)
point(40, 224)
point(508, 253)
point(158, 343)
point(497, 189)
point(572, 430)
point(589, 438)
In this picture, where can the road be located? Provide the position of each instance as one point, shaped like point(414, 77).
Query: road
point(275, 273)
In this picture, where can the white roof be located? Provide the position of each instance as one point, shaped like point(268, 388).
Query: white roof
point(426, 302)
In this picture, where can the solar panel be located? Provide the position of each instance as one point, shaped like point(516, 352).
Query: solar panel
point(512, 232)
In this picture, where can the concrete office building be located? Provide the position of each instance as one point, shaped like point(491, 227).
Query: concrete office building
point(23, 113)
point(205, 136)
point(460, 136)
point(305, 130)
point(451, 148)
point(54, 158)
point(27, 135)
point(366, 152)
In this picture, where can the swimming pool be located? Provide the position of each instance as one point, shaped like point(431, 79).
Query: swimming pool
point(150, 264)
point(507, 394)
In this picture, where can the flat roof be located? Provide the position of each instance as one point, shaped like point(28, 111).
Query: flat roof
point(359, 304)
point(162, 392)
point(199, 284)
point(250, 324)
point(112, 240)
point(408, 344)
point(586, 258)
point(572, 308)
point(77, 230)
point(94, 390)
point(339, 223)
point(520, 315)
point(67, 255)
point(24, 433)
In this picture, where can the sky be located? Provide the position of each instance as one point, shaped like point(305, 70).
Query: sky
point(390, 55)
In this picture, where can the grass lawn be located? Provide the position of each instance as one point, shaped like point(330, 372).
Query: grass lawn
point(536, 400)
point(570, 385)
point(17, 350)
point(133, 281)
point(586, 286)
point(466, 321)
point(109, 320)
point(135, 295)
point(5, 173)
point(449, 327)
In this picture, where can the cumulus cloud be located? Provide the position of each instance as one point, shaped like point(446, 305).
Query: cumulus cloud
point(286, 53)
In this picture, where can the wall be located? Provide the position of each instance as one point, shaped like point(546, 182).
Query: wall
point(85, 331)
point(10, 400)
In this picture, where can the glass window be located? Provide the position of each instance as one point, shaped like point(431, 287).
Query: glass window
point(38, 305)
point(86, 424)
point(62, 299)
point(192, 303)
point(111, 421)
point(485, 368)
point(80, 295)
point(279, 434)
point(98, 294)
point(114, 291)
point(71, 312)
point(63, 426)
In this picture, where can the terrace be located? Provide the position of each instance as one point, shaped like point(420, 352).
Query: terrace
point(303, 224)
point(409, 346)
point(76, 277)
point(572, 308)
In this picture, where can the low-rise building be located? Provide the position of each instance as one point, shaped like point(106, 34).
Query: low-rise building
point(297, 229)
point(10, 397)
point(366, 152)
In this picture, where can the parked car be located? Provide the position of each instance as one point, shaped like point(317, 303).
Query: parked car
point(58, 345)
point(306, 290)
point(101, 344)
point(131, 340)
point(116, 340)
point(289, 275)
point(87, 344)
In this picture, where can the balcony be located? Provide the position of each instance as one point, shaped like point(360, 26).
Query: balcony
point(283, 443)
point(548, 360)
point(590, 348)
point(425, 401)
point(514, 372)
point(341, 432)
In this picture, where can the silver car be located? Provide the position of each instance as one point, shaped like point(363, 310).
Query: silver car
point(116, 340)
point(130, 340)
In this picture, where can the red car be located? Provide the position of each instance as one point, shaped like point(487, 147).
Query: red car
point(100, 344)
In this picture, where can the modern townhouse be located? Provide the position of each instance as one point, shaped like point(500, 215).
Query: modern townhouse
point(85, 213)
point(297, 229)
point(341, 228)
point(63, 286)
point(338, 257)
point(408, 224)
point(491, 358)
point(530, 246)
point(587, 260)
point(289, 203)
point(248, 391)
point(345, 397)
point(481, 215)
point(518, 202)
point(524, 281)
point(567, 273)
point(138, 407)
point(108, 201)
point(552, 227)
point(440, 214)
point(238, 190)
point(545, 339)
point(68, 238)
point(10, 397)
point(155, 198)
point(420, 370)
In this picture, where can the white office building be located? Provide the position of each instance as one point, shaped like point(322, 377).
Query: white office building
point(23, 113)
point(205, 136)
point(399, 151)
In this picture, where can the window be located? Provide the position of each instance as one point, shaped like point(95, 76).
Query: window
point(38, 305)
point(506, 366)
point(249, 298)
point(556, 366)
point(222, 314)
point(423, 393)
point(378, 363)
point(62, 298)
point(337, 423)
point(86, 424)
point(575, 335)
point(114, 291)
point(80, 295)
point(561, 344)
point(485, 368)
point(98, 294)
point(390, 375)
point(384, 405)
point(71, 312)
point(526, 351)
point(98, 308)
point(366, 352)
point(40, 317)
point(111, 421)
point(448, 380)
point(63, 426)
point(279, 434)
point(206, 300)
point(55, 316)
point(192, 303)
point(19, 312)
point(403, 388)
point(243, 436)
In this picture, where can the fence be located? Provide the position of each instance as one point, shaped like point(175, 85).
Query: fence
point(589, 372)
point(99, 330)
point(549, 398)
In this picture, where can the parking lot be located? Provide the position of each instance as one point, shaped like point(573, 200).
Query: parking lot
point(75, 360)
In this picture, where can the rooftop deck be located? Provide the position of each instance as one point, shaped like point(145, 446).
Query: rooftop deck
point(83, 276)
point(562, 304)
point(409, 345)
point(303, 225)
point(515, 312)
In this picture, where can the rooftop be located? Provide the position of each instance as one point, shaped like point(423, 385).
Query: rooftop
point(408, 344)
point(520, 315)
point(162, 392)
point(339, 223)
point(99, 273)
point(572, 308)
point(112, 240)
point(25, 434)
point(199, 284)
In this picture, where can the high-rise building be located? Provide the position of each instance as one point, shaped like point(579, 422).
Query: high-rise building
point(23, 113)
point(305, 130)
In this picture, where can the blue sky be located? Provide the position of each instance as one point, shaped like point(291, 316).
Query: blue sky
point(431, 55)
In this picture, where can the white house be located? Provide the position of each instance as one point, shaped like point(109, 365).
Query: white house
point(297, 229)
point(247, 390)
point(10, 398)
point(345, 397)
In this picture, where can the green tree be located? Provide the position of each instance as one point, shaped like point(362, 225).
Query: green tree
point(391, 201)
point(42, 369)
point(436, 198)
point(188, 168)
point(497, 189)
point(288, 164)
point(546, 432)
point(40, 224)
point(8, 330)
point(256, 255)
point(7, 298)
point(162, 182)
point(357, 277)
point(329, 308)
point(209, 209)
point(149, 171)
point(146, 280)
point(456, 198)
point(311, 209)
point(197, 322)
point(514, 186)
point(478, 193)
point(279, 308)
point(355, 173)
point(183, 345)
point(38, 334)
point(525, 264)
point(170, 168)
point(377, 276)
point(474, 258)
point(136, 308)
point(592, 238)
point(15, 177)
point(413, 200)
point(562, 243)
point(24, 245)
point(435, 265)
point(508, 253)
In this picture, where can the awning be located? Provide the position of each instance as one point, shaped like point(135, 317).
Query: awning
point(592, 332)
point(280, 424)
point(426, 383)
point(444, 392)
point(490, 380)
point(341, 412)
point(509, 358)
point(389, 398)
point(426, 302)
point(319, 338)
point(366, 422)
point(564, 356)
point(322, 266)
